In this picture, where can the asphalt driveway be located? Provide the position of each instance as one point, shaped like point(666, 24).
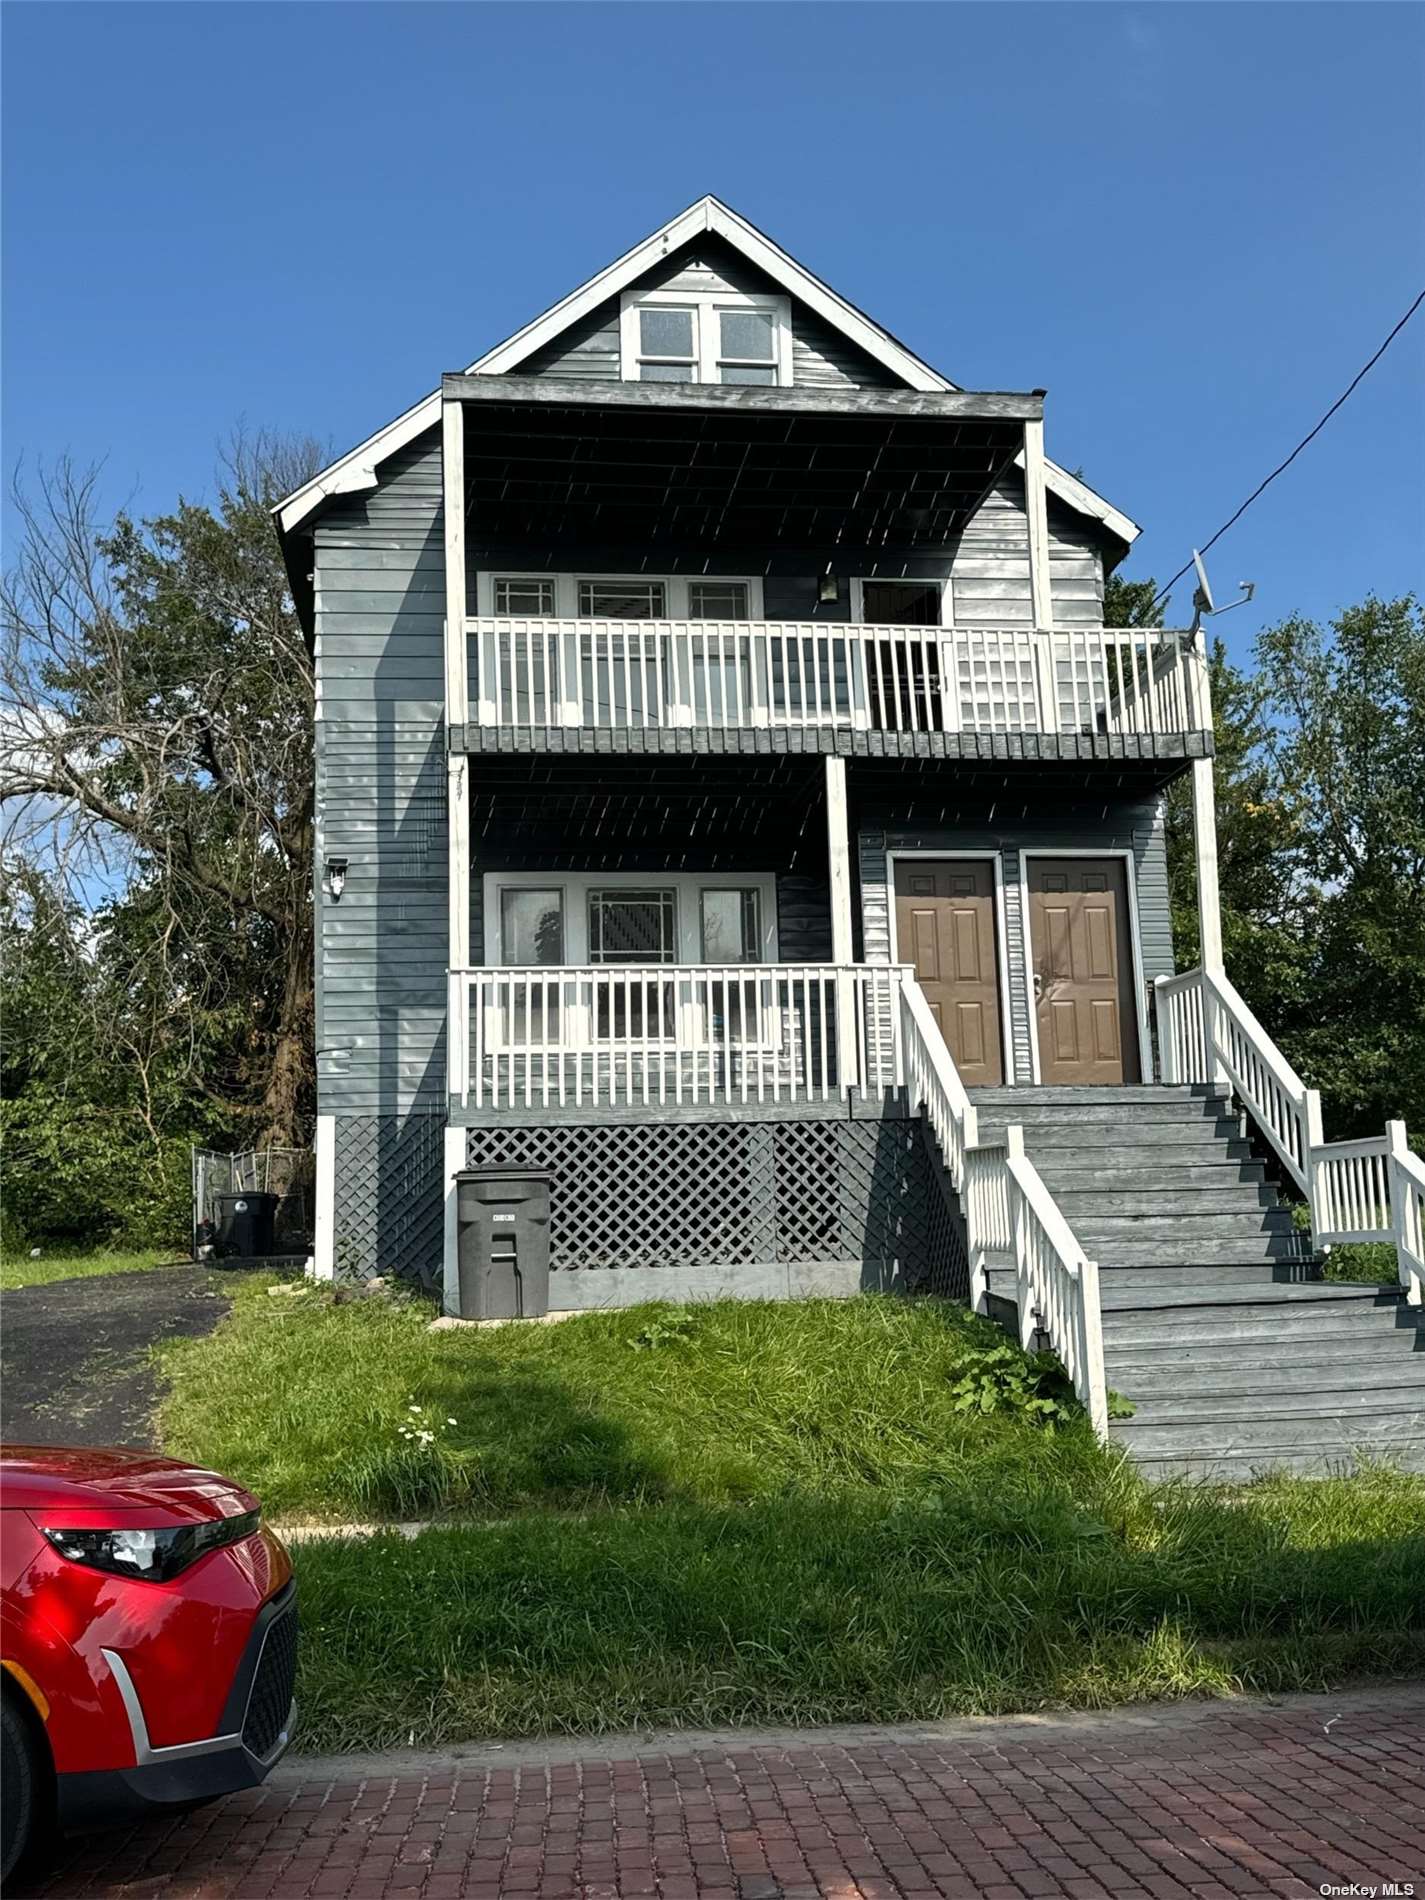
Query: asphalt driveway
point(74, 1355)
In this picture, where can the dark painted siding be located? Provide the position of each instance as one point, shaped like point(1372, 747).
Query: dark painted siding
point(1029, 823)
point(380, 610)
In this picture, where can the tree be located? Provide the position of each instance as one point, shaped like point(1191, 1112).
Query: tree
point(1132, 603)
point(96, 1098)
point(1347, 748)
point(1320, 785)
point(158, 740)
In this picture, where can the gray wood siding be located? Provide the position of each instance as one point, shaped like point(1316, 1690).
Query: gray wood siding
point(1032, 826)
point(821, 357)
point(381, 950)
point(989, 569)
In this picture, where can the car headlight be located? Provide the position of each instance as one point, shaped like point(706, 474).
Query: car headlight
point(155, 1555)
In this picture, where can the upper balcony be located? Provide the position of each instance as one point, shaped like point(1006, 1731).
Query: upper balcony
point(548, 477)
point(822, 685)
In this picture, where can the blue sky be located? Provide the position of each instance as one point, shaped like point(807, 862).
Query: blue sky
point(1190, 223)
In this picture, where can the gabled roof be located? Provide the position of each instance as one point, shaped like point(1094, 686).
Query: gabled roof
point(356, 470)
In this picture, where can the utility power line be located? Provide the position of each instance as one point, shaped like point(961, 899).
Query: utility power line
point(1281, 467)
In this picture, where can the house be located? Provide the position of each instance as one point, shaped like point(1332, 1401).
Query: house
point(730, 801)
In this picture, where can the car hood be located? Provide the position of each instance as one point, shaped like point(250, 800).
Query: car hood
point(49, 1477)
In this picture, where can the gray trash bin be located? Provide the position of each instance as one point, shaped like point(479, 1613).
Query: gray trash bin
point(503, 1216)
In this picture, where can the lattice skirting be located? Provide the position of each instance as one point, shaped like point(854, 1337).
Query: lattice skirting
point(389, 1215)
point(671, 1194)
point(727, 1194)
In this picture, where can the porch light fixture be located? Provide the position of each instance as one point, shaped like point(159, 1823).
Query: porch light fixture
point(336, 877)
point(826, 587)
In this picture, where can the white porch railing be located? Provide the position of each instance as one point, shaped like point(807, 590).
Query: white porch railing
point(644, 1034)
point(737, 674)
point(1371, 1190)
point(1009, 1213)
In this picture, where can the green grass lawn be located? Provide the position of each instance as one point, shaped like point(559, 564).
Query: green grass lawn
point(742, 1513)
point(20, 1270)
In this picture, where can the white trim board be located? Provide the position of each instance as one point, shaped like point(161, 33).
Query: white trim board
point(1140, 995)
point(996, 858)
point(356, 470)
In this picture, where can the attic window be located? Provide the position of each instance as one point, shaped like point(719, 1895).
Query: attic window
point(706, 337)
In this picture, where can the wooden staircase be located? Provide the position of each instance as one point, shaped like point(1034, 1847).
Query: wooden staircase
point(1217, 1322)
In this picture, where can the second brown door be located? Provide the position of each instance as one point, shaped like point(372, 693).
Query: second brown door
point(1083, 970)
point(945, 926)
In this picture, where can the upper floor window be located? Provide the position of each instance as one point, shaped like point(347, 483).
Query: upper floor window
point(705, 337)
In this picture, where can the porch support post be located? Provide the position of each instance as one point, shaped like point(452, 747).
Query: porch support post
point(457, 715)
point(455, 1152)
point(838, 846)
point(838, 850)
point(452, 461)
point(1204, 832)
point(457, 789)
point(1037, 510)
point(323, 1262)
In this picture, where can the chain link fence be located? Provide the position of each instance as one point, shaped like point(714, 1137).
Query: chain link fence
point(289, 1173)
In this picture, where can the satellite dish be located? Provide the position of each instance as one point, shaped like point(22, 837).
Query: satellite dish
point(1202, 596)
point(1203, 604)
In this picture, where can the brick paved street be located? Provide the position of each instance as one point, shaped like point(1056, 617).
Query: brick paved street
point(1214, 1801)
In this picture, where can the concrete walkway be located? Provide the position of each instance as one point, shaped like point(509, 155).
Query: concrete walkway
point(1306, 1796)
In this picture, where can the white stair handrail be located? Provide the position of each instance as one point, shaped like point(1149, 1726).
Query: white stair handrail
point(1367, 1190)
point(1009, 1213)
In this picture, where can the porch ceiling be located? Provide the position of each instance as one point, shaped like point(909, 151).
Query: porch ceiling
point(643, 814)
point(664, 465)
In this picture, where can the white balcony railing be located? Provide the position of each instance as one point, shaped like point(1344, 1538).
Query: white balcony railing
point(738, 675)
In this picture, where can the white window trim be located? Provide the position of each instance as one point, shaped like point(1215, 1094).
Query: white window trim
point(858, 598)
point(687, 888)
point(566, 591)
point(705, 304)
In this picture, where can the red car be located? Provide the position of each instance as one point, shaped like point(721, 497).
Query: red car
point(148, 1636)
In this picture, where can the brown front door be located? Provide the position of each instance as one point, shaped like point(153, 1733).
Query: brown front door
point(945, 926)
point(1082, 961)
